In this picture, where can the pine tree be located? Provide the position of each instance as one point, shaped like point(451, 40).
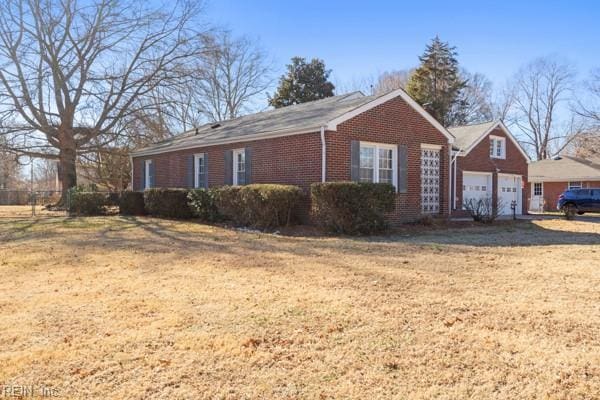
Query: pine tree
point(436, 84)
point(303, 82)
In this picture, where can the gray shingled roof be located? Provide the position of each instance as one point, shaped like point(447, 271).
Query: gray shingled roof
point(564, 169)
point(300, 118)
point(466, 135)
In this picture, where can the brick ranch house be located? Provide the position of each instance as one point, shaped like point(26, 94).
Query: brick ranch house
point(489, 163)
point(389, 138)
point(549, 178)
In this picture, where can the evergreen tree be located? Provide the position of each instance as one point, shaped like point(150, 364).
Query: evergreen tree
point(303, 82)
point(436, 84)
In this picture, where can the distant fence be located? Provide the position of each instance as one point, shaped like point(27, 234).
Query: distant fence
point(28, 197)
point(27, 203)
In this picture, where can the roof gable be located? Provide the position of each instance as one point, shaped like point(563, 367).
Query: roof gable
point(332, 125)
point(469, 136)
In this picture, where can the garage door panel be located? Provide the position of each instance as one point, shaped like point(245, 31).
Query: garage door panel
point(509, 190)
point(476, 186)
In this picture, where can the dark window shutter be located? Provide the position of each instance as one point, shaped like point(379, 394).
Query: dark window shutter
point(152, 174)
point(355, 161)
point(402, 168)
point(228, 167)
point(248, 160)
point(206, 170)
point(190, 171)
point(143, 174)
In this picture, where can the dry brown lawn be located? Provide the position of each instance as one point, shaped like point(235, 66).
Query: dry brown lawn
point(146, 309)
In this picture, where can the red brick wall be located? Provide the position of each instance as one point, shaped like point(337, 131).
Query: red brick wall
point(297, 159)
point(551, 191)
point(479, 159)
point(393, 122)
point(294, 160)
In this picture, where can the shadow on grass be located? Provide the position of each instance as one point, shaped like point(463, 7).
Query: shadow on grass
point(192, 238)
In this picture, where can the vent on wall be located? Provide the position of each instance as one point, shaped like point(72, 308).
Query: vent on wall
point(215, 126)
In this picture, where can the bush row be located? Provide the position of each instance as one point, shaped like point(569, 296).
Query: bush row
point(342, 207)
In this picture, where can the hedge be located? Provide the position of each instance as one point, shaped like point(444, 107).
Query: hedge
point(203, 204)
point(167, 203)
point(131, 203)
point(262, 206)
point(86, 203)
point(351, 207)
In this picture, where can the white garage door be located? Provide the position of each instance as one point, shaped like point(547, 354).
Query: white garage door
point(509, 190)
point(476, 186)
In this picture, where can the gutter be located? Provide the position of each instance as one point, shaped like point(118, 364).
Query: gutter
point(323, 155)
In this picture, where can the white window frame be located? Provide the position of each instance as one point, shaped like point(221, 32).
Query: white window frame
point(494, 147)
point(579, 185)
point(541, 185)
point(197, 157)
point(237, 152)
point(147, 164)
point(377, 147)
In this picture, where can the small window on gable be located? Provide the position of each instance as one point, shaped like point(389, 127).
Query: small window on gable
point(497, 147)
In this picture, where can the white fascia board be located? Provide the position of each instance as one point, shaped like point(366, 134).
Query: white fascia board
point(333, 124)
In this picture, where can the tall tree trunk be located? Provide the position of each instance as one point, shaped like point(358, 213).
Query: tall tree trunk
point(68, 171)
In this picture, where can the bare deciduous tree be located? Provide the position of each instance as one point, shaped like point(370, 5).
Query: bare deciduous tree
point(71, 71)
point(230, 77)
point(537, 93)
point(587, 144)
point(392, 80)
point(475, 98)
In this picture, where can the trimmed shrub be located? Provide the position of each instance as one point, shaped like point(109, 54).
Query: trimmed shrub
point(131, 203)
point(262, 206)
point(203, 204)
point(350, 207)
point(167, 203)
point(87, 203)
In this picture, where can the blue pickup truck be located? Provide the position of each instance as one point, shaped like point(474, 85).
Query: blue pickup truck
point(579, 201)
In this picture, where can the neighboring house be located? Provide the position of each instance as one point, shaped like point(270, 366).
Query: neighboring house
point(549, 178)
point(389, 138)
point(490, 163)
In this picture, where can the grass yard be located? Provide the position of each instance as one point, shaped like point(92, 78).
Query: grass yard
point(146, 309)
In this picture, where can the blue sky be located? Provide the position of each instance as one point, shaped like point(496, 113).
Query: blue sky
point(364, 38)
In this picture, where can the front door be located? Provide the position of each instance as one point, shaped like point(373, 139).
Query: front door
point(537, 197)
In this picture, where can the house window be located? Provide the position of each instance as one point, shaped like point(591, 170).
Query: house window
point(200, 171)
point(148, 170)
point(575, 185)
point(239, 167)
point(497, 147)
point(377, 163)
point(537, 189)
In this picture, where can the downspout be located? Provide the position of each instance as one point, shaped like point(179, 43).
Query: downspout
point(454, 178)
point(323, 155)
